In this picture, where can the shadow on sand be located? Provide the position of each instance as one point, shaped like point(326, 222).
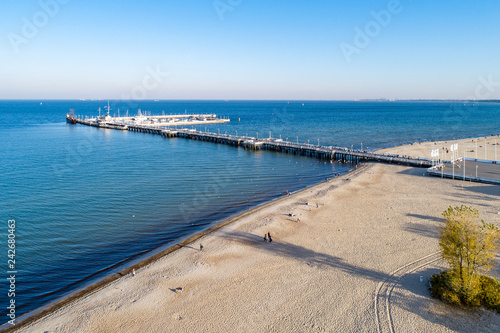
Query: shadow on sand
point(426, 217)
point(493, 190)
point(425, 230)
point(304, 255)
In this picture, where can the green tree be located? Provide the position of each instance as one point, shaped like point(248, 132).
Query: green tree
point(468, 245)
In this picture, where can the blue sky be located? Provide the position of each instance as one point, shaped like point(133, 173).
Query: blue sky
point(242, 49)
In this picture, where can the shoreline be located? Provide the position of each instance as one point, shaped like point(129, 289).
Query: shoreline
point(93, 287)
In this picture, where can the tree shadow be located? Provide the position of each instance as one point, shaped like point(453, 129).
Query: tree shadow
point(426, 217)
point(470, 196)
point(304, 255)
point(425, 230)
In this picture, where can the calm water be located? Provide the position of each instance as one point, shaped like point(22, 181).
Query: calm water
point(85, 199)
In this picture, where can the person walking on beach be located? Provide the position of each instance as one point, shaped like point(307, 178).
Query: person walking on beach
point(265, 238)
point(201, 247)
point(133, 272)
point(269, 236)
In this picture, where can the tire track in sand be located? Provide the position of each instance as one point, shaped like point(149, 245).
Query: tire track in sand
point(384, 290)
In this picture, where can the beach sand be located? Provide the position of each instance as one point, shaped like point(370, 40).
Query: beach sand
point(359, 260)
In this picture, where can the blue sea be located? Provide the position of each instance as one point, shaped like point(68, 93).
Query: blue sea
point(88, 201)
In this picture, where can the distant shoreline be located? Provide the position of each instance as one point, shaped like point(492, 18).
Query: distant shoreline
point(257, 100)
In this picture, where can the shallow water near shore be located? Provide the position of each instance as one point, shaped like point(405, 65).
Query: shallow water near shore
point(85, 199)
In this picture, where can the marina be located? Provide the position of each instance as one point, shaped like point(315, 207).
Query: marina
point(123, 123)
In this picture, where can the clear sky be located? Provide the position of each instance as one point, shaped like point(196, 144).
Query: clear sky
point(250, 49)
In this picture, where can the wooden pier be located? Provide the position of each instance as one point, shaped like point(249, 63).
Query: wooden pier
point(339, 154)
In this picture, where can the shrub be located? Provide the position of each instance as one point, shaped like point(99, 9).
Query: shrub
point(490, 293)
point(442, 288)
point(445, 288)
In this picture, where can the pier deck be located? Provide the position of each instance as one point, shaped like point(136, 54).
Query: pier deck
point(272, 144)
point(473, 170)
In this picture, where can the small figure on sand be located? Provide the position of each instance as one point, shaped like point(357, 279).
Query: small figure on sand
point(317, 205)
point(265, 237)
point(286, 192)
point(269, 236)
point(133, 272)
point(178, 290)
point(201, 247)
point(298, 219)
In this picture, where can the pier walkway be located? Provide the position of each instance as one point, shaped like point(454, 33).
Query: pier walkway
point(272, 144)
point(474, 170)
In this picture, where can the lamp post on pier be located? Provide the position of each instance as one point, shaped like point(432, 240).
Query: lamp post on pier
point(484, 148)
point(464, 163)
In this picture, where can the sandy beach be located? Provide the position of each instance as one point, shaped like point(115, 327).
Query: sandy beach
point(359, 260)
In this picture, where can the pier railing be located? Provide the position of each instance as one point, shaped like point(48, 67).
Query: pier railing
point(278, 145)
point(272, 144)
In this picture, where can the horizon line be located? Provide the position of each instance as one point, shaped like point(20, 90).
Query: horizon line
point(256, 100)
